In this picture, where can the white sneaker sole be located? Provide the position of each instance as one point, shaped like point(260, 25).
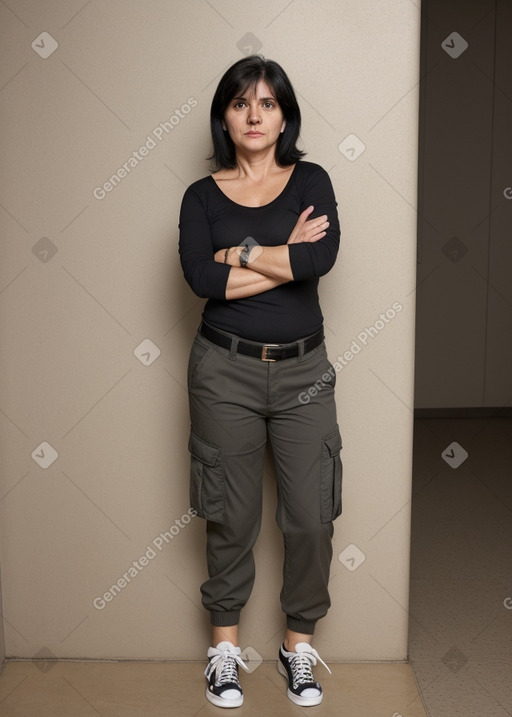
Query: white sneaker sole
point(223, 701)
point(296, 699)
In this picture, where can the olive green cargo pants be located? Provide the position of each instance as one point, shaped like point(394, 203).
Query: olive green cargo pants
point(236, 402)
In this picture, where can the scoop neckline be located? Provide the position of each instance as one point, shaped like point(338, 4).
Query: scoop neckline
point(262, 206)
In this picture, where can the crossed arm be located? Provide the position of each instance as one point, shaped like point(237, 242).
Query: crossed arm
point(268, 266)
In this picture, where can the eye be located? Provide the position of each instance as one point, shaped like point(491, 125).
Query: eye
point(238, 105)
point(268, 105)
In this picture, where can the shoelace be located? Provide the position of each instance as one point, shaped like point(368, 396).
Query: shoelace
point(225, 663)
point(301, 666)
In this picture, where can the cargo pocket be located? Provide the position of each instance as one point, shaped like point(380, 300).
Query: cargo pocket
point(331, 476)
point(206, 479)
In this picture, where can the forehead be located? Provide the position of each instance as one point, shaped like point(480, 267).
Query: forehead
point(257, 90)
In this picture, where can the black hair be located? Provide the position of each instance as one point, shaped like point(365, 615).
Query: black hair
point(234, 83)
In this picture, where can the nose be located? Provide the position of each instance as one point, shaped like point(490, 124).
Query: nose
point(254, 115)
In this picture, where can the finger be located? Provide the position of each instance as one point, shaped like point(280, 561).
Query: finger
point(309, 235)
point(317, 221)
point(303, 217)
point(316, 237)
point(314, 230)
point(301, 221)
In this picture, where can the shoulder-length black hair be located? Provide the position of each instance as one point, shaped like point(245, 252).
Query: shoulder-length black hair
point(234, 83)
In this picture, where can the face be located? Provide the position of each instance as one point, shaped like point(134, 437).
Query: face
point(255, 120)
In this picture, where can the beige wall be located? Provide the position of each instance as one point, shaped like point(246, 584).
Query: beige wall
point(84, 281)
point(2, 639)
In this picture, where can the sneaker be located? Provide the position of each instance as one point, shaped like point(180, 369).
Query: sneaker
point(224, 688)
point(303, 690)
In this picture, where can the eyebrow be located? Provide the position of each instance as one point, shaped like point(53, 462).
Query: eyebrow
point(260, 99)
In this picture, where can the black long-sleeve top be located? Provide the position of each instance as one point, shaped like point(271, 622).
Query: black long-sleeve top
point(210, 221)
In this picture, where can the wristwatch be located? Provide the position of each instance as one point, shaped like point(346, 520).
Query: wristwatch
point(244, 255)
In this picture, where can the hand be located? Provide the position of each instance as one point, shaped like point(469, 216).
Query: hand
point(308, 230)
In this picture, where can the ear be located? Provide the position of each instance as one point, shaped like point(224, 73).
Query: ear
point(283, 126)
point(224, 126)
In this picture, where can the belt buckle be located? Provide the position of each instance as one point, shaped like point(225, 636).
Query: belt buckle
point(264, 352)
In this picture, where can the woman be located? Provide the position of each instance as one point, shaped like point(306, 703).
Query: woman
point(254, 238)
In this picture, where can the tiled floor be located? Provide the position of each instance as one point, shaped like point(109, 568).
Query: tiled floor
point(166, 689)
point(460, 615)
point(460, 636)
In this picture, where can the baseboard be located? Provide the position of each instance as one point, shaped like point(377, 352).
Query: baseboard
point(476, 412)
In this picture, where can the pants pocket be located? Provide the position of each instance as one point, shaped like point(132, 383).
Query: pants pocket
point(199, 353)
point(328, 377)
point(206, 479)
point(331, 476)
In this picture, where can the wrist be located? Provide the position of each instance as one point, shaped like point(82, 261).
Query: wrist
point(231, 256)
point(243, 255)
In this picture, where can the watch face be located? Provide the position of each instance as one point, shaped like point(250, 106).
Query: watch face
point(244, 255)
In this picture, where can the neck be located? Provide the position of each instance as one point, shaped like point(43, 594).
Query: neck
point(256, 166)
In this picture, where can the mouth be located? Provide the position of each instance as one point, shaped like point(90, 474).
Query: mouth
point(254, 134)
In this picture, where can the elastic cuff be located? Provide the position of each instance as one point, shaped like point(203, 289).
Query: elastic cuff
point(307, 627)
point(224, 618)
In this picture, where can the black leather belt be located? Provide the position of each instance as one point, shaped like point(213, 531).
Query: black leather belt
point(264, 352)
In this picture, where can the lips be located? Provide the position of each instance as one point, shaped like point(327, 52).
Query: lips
point(254, 134)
